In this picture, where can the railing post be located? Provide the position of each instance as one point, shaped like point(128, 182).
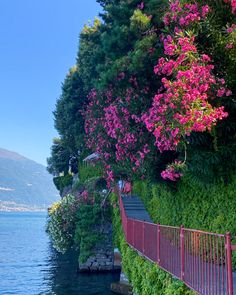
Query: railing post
point(126, 226)
point(133, 233)
point(182, 252)
point(158, 244)
point(229, 264)
point(143, 236)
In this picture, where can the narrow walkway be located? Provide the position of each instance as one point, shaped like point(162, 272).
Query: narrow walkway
point(134, 208)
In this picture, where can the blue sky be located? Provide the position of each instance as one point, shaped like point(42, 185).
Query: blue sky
point(38, 44)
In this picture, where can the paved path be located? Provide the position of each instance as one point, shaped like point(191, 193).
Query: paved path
point(135, 209)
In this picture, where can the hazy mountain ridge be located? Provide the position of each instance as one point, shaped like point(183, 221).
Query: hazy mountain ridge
point(24, 181)
point(11, 155)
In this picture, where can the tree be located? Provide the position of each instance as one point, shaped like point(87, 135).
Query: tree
point(59, 160)
point(68, 117)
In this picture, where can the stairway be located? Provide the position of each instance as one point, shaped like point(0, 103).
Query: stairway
point(134, 208)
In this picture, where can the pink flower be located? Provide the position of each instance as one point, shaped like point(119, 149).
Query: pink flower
point(175, 6)
point(233, 4)
point(170, 47)
point(141, 6)
point(205, 10)
point(229, 46)
point(182, 105)
point(228, 93)
point(121, 76)
point(170, 174)
point(231, 29)
point(85, 195)
point(206, 58)
point(221, 92)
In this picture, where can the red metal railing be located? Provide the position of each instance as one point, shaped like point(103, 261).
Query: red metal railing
point(202, 260)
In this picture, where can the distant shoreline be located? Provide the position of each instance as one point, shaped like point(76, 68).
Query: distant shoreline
point(11, 206)
point(21, 210)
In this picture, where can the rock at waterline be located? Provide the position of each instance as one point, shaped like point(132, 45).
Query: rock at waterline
point(121, 288)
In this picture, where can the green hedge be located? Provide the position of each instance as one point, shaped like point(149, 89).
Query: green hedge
point(211, 208)
point(63, 181)
point(145, 277)
point(87, 236)
point(89, 171)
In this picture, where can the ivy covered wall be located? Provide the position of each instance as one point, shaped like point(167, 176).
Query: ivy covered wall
point(206, 207)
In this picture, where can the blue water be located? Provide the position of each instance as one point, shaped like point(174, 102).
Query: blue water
point(30, 266)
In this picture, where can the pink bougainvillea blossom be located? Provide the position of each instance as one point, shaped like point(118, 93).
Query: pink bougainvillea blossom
point(182, 105)
point(111, 131)
point(170, 174)
point(229, 46)
point(186, 14)
point(141, 6)
point(231, 29)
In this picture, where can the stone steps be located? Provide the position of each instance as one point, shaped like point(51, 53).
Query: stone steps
point(134, 208)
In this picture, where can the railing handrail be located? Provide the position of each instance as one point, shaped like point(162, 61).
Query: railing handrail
point(178, 227)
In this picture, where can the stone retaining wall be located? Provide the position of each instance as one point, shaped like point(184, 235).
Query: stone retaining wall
point(104, 258)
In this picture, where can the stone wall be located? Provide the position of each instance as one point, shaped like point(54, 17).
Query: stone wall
point(104, 259)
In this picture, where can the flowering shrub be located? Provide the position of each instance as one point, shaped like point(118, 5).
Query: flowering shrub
point(76, 222)
point(173, 171)
point(62, 223)
point(183, 105)
point(114, 131)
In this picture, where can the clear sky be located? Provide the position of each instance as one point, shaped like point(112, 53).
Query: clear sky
point(38, 44)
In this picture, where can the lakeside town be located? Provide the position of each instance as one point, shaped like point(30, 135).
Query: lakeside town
point(6, 206)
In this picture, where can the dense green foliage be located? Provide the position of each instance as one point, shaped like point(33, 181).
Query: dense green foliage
point(88, 227)
point(145, 277)
point(210, 208)
point(69, 123)
point(87, 172)
point(192, 205)
point(68, 118)
point(62, 182)
point(59, 160)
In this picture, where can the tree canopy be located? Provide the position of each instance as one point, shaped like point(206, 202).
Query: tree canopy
point(153, 89)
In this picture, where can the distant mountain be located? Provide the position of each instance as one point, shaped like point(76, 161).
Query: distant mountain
point(24, 181)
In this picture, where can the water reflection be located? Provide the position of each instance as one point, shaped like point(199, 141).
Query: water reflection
point(62, 277)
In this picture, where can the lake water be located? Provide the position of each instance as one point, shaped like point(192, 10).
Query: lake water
point(30, 266)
